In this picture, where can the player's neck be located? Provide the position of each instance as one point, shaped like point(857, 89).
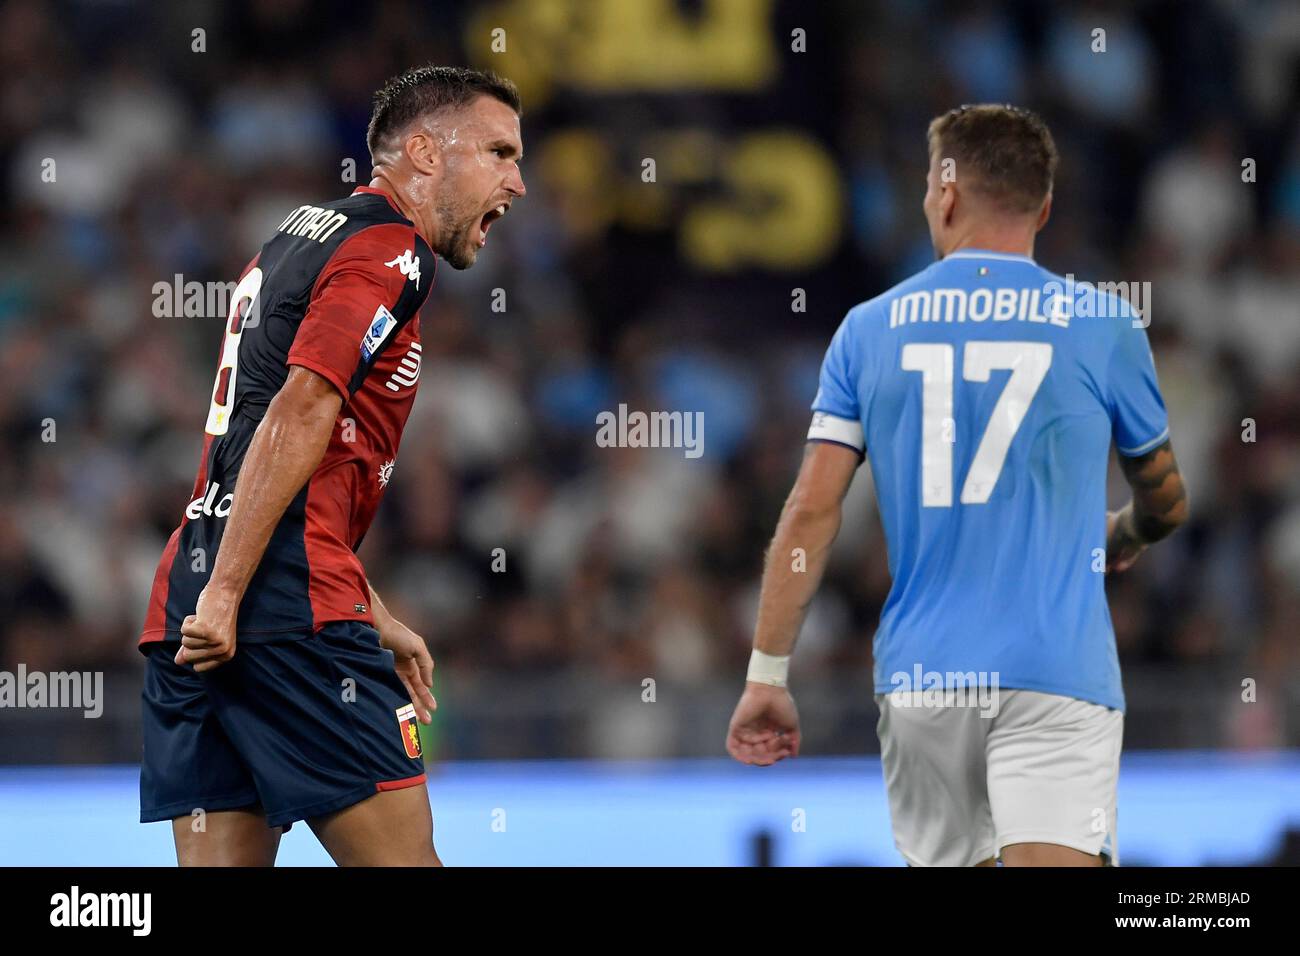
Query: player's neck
point(1013, 243)
point(404, 205)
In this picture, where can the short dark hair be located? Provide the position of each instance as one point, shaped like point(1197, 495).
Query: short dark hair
point(428, 89)
point(1004, 152)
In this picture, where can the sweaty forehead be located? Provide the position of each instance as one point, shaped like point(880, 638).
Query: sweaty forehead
point(487, 117)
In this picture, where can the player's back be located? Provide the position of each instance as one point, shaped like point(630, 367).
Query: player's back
point(987, 391)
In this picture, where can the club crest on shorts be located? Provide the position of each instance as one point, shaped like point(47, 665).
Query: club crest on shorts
point(410, 730)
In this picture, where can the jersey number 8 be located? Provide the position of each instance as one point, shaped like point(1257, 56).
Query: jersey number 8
point(223, 389)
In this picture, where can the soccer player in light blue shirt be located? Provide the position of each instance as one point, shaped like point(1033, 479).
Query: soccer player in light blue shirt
point(985, 392)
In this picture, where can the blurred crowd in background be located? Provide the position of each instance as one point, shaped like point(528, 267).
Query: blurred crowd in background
point(786, 187)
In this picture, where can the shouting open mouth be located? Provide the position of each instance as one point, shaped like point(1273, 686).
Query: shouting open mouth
point(489, 217)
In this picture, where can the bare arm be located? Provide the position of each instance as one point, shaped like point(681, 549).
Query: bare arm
point(286, 448)
point(1159, 506)
point(377, 610)
point(765, 725)
point(809, 521)
point(411, 657)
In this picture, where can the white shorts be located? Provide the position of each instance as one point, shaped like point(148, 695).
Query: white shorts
point(963, 782)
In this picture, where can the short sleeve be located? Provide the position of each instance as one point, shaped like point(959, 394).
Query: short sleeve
point(1139, 422)
point(373, 284)
point(837, 413)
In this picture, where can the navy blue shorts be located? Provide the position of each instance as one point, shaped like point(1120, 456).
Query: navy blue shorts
point(299, 728)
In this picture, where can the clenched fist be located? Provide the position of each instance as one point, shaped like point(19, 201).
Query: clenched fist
point(208, 635)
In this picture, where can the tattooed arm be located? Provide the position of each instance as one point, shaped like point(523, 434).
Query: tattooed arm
point(1159, 506)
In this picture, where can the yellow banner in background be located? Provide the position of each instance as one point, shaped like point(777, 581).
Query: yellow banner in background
point(767, 198)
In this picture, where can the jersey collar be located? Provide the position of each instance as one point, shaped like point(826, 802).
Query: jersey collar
point(985, 254)
point(372, 191)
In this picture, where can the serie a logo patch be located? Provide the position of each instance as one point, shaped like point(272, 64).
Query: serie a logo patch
point(383, 323)
point(410, 730)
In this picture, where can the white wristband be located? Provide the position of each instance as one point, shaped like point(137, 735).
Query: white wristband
point(768, 669)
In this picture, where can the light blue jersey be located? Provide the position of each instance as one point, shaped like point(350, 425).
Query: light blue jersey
point(985, 392)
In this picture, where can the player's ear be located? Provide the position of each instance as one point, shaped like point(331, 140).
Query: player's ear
point(1044, 213)
point(423, 152)
point(947, 202)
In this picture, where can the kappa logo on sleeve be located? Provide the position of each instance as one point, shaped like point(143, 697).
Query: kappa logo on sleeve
point(410, 732)
point(380, 326)
point(408, 263)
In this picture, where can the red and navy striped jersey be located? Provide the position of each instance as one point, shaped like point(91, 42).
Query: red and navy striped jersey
point(336, 290)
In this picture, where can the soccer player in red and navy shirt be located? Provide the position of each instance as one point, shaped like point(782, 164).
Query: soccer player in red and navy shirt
point(278, 687)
